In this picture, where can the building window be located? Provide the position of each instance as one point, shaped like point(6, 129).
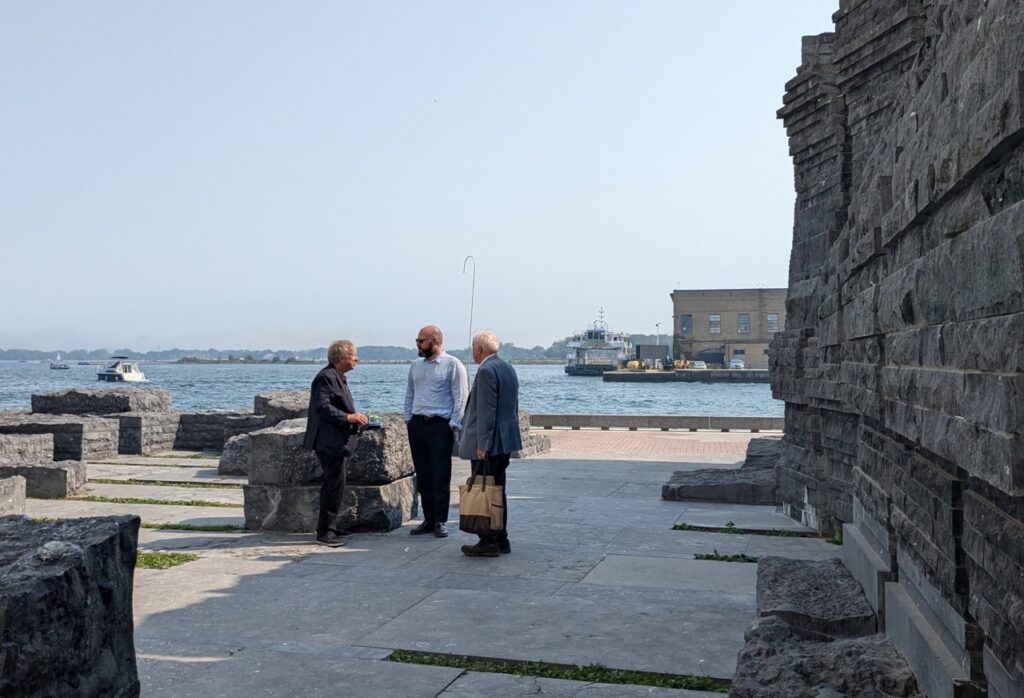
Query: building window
point(743, 323)
point(686, 325)
point(715, 324)
point(739, 352)
point(773, 322)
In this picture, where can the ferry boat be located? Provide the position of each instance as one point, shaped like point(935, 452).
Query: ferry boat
point(122, 370)
point(596, 350)
point(58, 365)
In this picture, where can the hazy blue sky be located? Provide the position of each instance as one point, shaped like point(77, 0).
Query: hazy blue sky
point(276, 175)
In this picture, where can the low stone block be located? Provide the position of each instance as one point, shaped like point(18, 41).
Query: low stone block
point(296, 508)
point(74, 437)
point(533, 445)
point(763, 452)
point(234, 459)
point(102, 401)
point(34, 448)
point(52, 480)
point(12, 495)
point(816, 597)
point(66, 607)
point(737, 485)
point(778, 660)
point(279, 406)
point(382, 455)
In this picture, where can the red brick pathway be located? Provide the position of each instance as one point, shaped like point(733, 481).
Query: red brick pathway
point(662, 445)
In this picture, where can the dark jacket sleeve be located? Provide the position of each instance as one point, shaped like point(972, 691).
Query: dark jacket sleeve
point(322, 393)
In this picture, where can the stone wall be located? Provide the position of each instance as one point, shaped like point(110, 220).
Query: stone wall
point(901, 360)
point(278, 406)
point(66, 607)
point(26, 448)
point(12, 495)
point(102, 401)
point(211, 429)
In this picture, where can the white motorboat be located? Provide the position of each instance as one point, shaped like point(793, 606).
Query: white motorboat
point(122, 370)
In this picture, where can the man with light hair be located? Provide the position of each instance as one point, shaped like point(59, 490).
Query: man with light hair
point(435, 397)
point(491, 430)
point(332, 429)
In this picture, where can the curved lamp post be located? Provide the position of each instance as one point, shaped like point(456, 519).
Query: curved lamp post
point(472, 295)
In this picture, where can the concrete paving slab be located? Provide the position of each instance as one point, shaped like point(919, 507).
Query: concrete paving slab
point(187, 459)
point(152, 513)
point(201, 670)
point(566, 630)
point(674, 573)
point(273, 606)
point(166, 493)
point(479, 685)
point(163, 473)
point(499, 583)
point(714, 514)
point(526, 562)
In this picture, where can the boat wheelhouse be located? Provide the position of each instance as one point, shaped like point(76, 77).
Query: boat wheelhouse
point(596, 350)
point(122, 370)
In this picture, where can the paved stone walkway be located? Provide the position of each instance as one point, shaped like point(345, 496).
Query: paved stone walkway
point(596, 575)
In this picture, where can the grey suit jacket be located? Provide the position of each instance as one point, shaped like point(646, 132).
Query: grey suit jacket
point(491, 420)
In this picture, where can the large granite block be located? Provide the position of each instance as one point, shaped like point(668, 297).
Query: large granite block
point(279, 406)
point(102, 401)
point(296, 508)
point(12, 495)
point(737, 485)
point(51, 480)
point(147, 432)
point(211, 429)
point(278, 458)
point(234, 459)
point(66, 607)
point(30, 448)
point(74, 437)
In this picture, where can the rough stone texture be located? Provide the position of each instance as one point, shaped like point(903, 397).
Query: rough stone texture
point(234, 459)
point(819, 597)
point(533, 444)
point(752, 483)
point(901, 360)
point(211, 429)
point(147, 432)
point(66, 607)
point(737, 485)
point(74, 437)
point(52, 480)
point(778, 661)
point(26, 448)
point(364, 507)
point(279, 406)
point(102, 401)
point(284, 479)
point(12, 495)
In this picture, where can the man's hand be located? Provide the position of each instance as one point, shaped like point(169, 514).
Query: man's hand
point(358, 418)
point(481, 454)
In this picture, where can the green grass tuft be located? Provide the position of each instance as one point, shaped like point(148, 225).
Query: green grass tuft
point(162, 561)
point(594, 673)
point(730, 527)
point(167, 483)
point(716, 556)
point(147, 500)
point(212, 528)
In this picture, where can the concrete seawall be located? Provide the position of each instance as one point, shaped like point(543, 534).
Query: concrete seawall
point(746, 375)
point(662, 422)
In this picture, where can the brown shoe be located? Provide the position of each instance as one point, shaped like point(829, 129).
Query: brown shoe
point(425, 527)
point(481, 549)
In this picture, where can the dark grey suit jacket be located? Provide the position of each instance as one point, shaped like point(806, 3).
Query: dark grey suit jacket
point(491, 421)
point(330, 403)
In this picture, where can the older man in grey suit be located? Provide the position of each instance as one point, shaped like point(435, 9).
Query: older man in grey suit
point(490, 429)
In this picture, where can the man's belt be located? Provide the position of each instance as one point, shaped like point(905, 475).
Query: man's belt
point(429, 417)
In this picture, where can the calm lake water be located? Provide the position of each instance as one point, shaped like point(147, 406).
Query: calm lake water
point(381, 388)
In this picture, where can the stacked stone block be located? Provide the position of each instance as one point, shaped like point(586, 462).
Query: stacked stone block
point(147, 432)
point(211, 429)
point(74, 437)
point(12, 495)
point(284, 479)
point(102, 401)
point(278, 406)
point(901, 361)
point(66, 607)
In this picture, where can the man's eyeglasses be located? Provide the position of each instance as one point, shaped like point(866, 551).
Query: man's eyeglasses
point(421, 341)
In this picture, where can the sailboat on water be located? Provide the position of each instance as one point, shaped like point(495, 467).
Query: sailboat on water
point(58, 365)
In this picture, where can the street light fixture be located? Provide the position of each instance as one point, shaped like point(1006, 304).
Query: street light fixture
point(657, 327)
point(472, 296)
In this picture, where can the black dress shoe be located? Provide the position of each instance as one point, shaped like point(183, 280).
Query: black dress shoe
point(331, 540)
point(425, 527)
point(481, 549)
point(504, 547)
point(440, 530)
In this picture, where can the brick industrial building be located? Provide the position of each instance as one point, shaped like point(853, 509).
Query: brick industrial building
point(722, 324)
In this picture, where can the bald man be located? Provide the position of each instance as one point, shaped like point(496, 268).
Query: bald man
point(435, 397)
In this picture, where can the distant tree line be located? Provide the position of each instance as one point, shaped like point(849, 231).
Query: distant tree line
point(371, 352)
